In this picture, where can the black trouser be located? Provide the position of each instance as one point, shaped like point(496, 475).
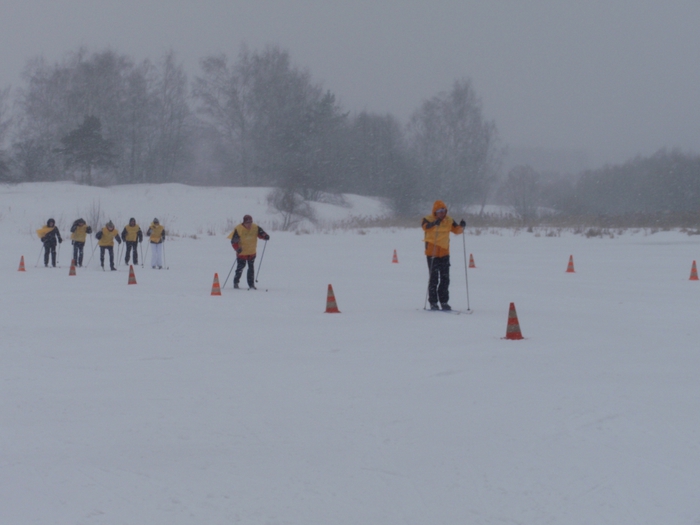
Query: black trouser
point(439, 284)
point(50, 248)
point(111, 256)
point(78, 252)
point(132, 245)
point(251, 271)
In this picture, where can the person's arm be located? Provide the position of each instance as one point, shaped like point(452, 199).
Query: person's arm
point(262, 235)
point(139, 235)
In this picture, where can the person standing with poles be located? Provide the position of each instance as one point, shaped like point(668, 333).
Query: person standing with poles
point(437, 228)
point(156, 232)
point(49, 235)
point(132, 236)
point(78, 234)
point(105, 240)
point(244, 239)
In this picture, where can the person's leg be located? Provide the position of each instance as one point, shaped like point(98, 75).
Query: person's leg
point(46, 254)
point(76, 251)
point(251, 273)
point(81, 248)
point(111, 257)
point(433, 280)
point(102, 256)
point(240, 264)
point(154, 254)
point(443, 290)
point(128, 252)
point(53, 255)
point(136, 252)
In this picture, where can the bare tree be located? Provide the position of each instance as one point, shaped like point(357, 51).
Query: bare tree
point(455, 147)
point(522, 191)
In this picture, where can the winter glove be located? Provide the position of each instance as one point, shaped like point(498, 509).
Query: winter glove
point(239, 250)
point(437, 222)
point(43, 239)
point(462, 223)
point(60, 241)
point(267, 237)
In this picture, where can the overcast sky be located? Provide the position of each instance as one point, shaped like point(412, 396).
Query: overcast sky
point(613, 78)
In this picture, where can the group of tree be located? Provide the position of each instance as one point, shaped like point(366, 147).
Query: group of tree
point(666, 183)
point(258, 120)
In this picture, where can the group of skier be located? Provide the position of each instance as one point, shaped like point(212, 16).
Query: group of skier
point(131, 234)
point(244, 239)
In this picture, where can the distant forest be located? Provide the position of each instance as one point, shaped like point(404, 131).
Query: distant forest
point(259, 120)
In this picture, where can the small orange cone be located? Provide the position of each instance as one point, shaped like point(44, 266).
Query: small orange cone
point(331, 305)
point(72, 267)
point(694, 272)
point(471, 261)
point(570, 268)
point(216, 288)
point(513, 329)
point(21, 264)
point(132, 277)
point(395, 259)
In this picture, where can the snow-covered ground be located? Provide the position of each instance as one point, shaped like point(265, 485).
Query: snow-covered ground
point(160, 404)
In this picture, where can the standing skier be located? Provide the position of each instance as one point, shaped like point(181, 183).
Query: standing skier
point(78, 234)
point(437, 228)
point(132, 236)
point(49, 235)
point(244, 240)
point(106, 237)
point(157, 238)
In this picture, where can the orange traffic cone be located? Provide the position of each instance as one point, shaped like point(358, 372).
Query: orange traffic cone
point(570, 268)
point(72, 267)
point(395, 259)
point(216, 288)
point(694, 272)
point(132, 277)
point(21, 264)
point(331, 305)
point(513, 329)
point(471, 261)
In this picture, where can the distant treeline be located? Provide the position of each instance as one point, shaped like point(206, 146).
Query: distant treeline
point(259, 120)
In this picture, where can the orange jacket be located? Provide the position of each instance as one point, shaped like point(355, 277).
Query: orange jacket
point(437, 236)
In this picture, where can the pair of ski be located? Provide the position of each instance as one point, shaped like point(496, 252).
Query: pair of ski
point(452, 311)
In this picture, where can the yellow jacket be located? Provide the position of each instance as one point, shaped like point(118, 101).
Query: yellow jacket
point(108, 236)
point(246, 239)
point(80, 233)
point(437, 236)
point(131, 233)
point(157, 233)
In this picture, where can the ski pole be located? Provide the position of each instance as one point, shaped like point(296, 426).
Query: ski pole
point(466, 276)
point(92, 254)
point(261, 260)
point(229, 272)
point(39, 258)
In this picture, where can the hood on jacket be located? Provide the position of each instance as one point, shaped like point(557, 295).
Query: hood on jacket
point(437, 205)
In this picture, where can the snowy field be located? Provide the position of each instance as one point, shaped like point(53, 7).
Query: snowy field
point(157, 403)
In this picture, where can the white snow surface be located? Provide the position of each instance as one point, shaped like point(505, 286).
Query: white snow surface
point(157, 403)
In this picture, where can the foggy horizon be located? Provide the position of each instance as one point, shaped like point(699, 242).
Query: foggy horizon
point(602, 82)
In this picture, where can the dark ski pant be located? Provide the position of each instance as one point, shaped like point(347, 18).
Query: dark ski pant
point(78, 252)
point(251, 271)
point(50, 249)
point(110, 249)
point(132, 245)
point(439, 284)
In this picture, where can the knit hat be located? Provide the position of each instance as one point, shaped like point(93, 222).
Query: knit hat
point(247, 218)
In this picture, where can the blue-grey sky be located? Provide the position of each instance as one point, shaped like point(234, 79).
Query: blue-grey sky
point(613, 78)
